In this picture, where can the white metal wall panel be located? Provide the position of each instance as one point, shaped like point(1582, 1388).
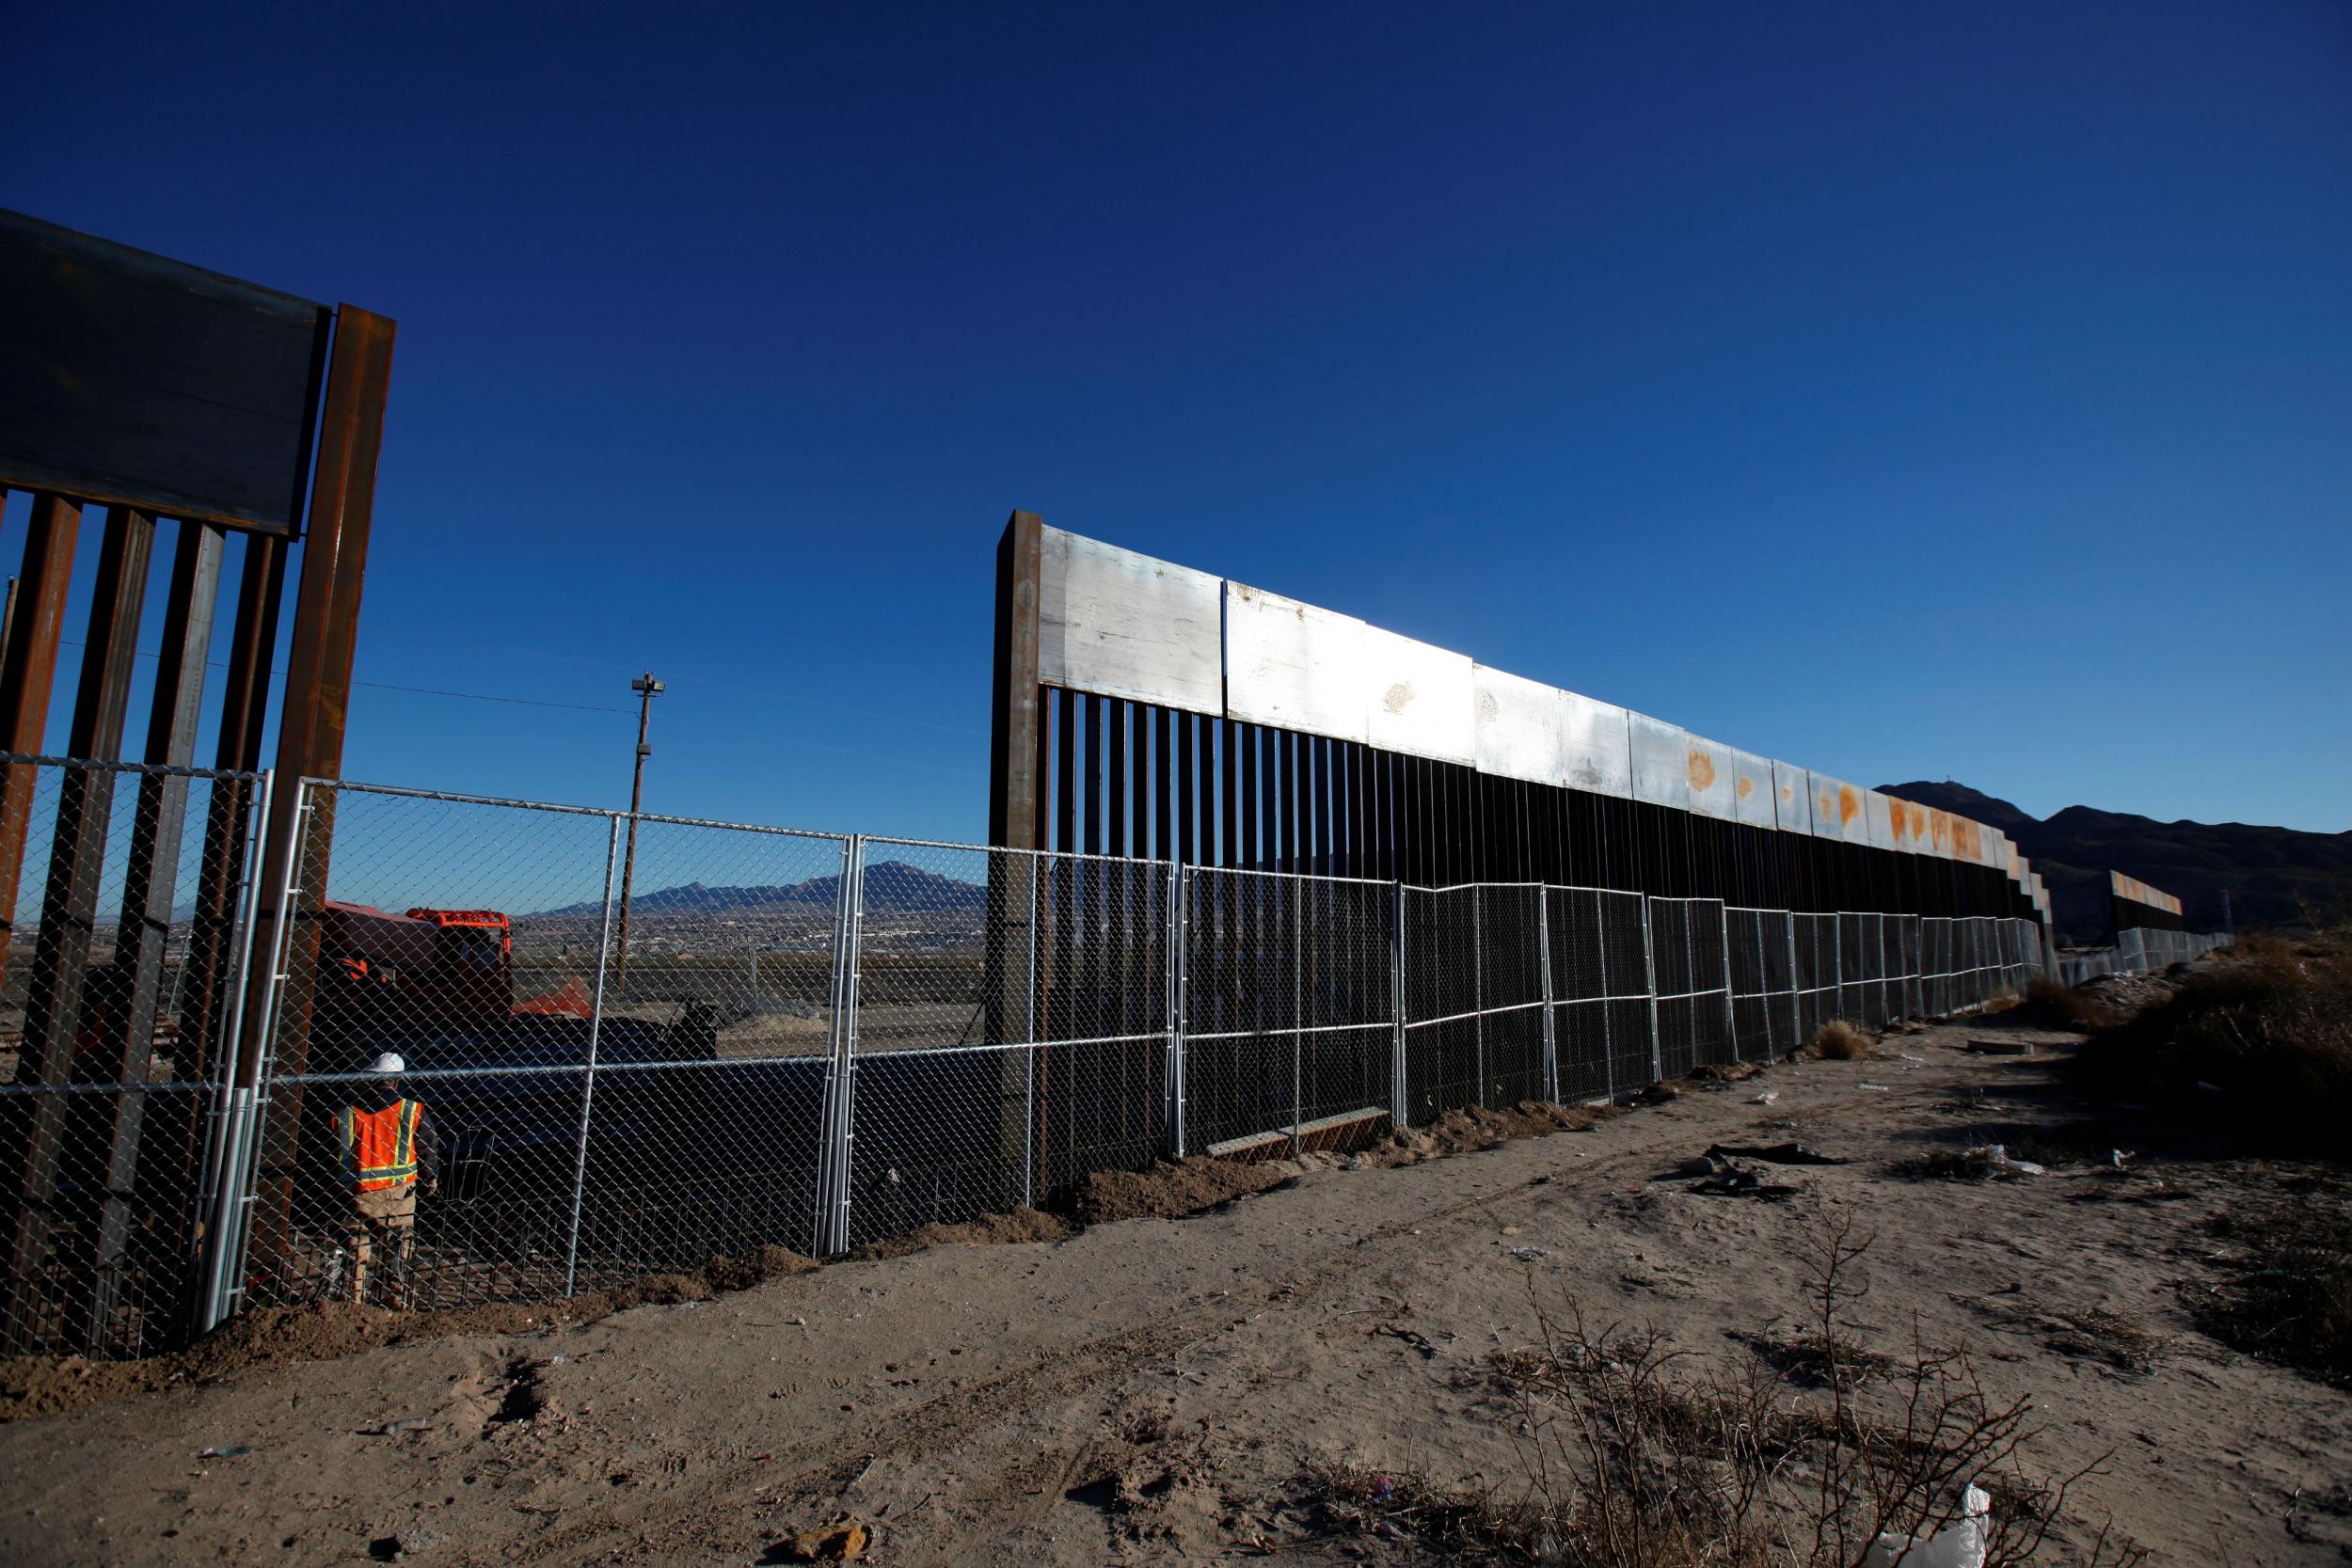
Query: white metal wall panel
point(1661, 762)
point(1419, 699)
point(1792, 798)
point(1751, 789)
point(1712, 778)
point(1838, 811)
point(1598, 746)
point(1897, 821)
point(1123, 625)
point(1293, 665)
point(1878, 815)
point(1917, 837)
point(1520, 727)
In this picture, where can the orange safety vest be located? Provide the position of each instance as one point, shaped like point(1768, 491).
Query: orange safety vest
point(379, 1147)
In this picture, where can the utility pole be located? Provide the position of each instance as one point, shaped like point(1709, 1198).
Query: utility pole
point(647, 688)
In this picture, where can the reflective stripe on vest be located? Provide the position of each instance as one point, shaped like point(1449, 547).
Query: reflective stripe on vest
point(379, 1147)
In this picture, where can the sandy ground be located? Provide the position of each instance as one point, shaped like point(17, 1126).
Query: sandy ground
point(1148, 1391)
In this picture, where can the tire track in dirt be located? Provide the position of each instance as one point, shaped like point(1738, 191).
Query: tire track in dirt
point(824, 1464)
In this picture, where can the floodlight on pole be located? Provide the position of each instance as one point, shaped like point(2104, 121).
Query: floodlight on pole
point(647, 688)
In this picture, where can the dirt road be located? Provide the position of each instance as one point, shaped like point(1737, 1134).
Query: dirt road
point(1149, 1390)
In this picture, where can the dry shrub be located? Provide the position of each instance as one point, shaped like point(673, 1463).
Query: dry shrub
point(1640, 1455)
point(2260, 1043)
point(2288, 1297)
point(2063, 1006)
point(1839, 1041)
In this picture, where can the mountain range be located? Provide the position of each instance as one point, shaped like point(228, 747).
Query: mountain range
point(2273, 876)
point(892, 887)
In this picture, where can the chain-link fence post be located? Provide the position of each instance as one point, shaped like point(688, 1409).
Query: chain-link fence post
point(1732, 1015)
point(226, 1187)
point(1399, 1096)
point(1551, 1044)
point(588, 1081)
point(1609, 997)
point(1478, 990)
point(1649, 970)
point(235, 1220)
point(1029, 1049)
point(833, 1181)
point(1178, 944)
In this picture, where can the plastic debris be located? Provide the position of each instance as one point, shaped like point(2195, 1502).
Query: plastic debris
point(230, 1452)
point(1875, 1088)
point(1766, 1098)
point(1994, 1159)
point(1964, 1546)
point(1529, 1254)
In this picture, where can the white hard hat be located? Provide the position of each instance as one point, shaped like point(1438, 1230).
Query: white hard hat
point(388, 1064)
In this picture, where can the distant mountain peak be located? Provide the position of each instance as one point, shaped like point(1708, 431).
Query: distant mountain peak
point(1975, 805)
point(2270, 874)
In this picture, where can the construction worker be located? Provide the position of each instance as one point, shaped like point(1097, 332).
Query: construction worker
point(388, 1152)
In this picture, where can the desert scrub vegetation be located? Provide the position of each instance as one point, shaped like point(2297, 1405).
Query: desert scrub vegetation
point(2258, 1044)
point(1840, 1041)
point(2063, 1006)
point(1808, 1451)
point(2286, 1294)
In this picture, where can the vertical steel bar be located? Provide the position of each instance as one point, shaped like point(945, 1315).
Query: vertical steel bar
point(588, 1080)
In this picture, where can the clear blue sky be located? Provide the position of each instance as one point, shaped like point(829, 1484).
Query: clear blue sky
point(1901, 391)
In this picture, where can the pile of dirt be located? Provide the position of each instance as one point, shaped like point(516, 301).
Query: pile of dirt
point(1170, 1190)
point(267, 1336)
point(1477, 1127)
point(1022, 1225)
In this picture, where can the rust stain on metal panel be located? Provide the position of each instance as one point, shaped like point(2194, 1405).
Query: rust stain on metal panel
point(1398, 696)
point(1702, 770)
point(1747, 786)
point(1848, 804)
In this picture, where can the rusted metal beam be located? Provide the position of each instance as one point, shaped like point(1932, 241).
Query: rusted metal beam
point(126, 1028)
point(1014, 997)
point(311, 730)
point(26, 680)
point(57, 990)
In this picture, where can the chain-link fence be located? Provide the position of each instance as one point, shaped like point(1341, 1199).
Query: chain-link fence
point(629, 1045)
point(2137, 951)
point(1691, 984)
point(127, 911)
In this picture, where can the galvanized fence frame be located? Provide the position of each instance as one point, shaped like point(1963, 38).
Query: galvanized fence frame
point(999, 1025)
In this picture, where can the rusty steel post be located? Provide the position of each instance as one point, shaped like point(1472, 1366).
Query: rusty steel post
point(1015, 802)
point(127, 1028)
point(35, 624)
point(55, 994)
point(310, 735)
